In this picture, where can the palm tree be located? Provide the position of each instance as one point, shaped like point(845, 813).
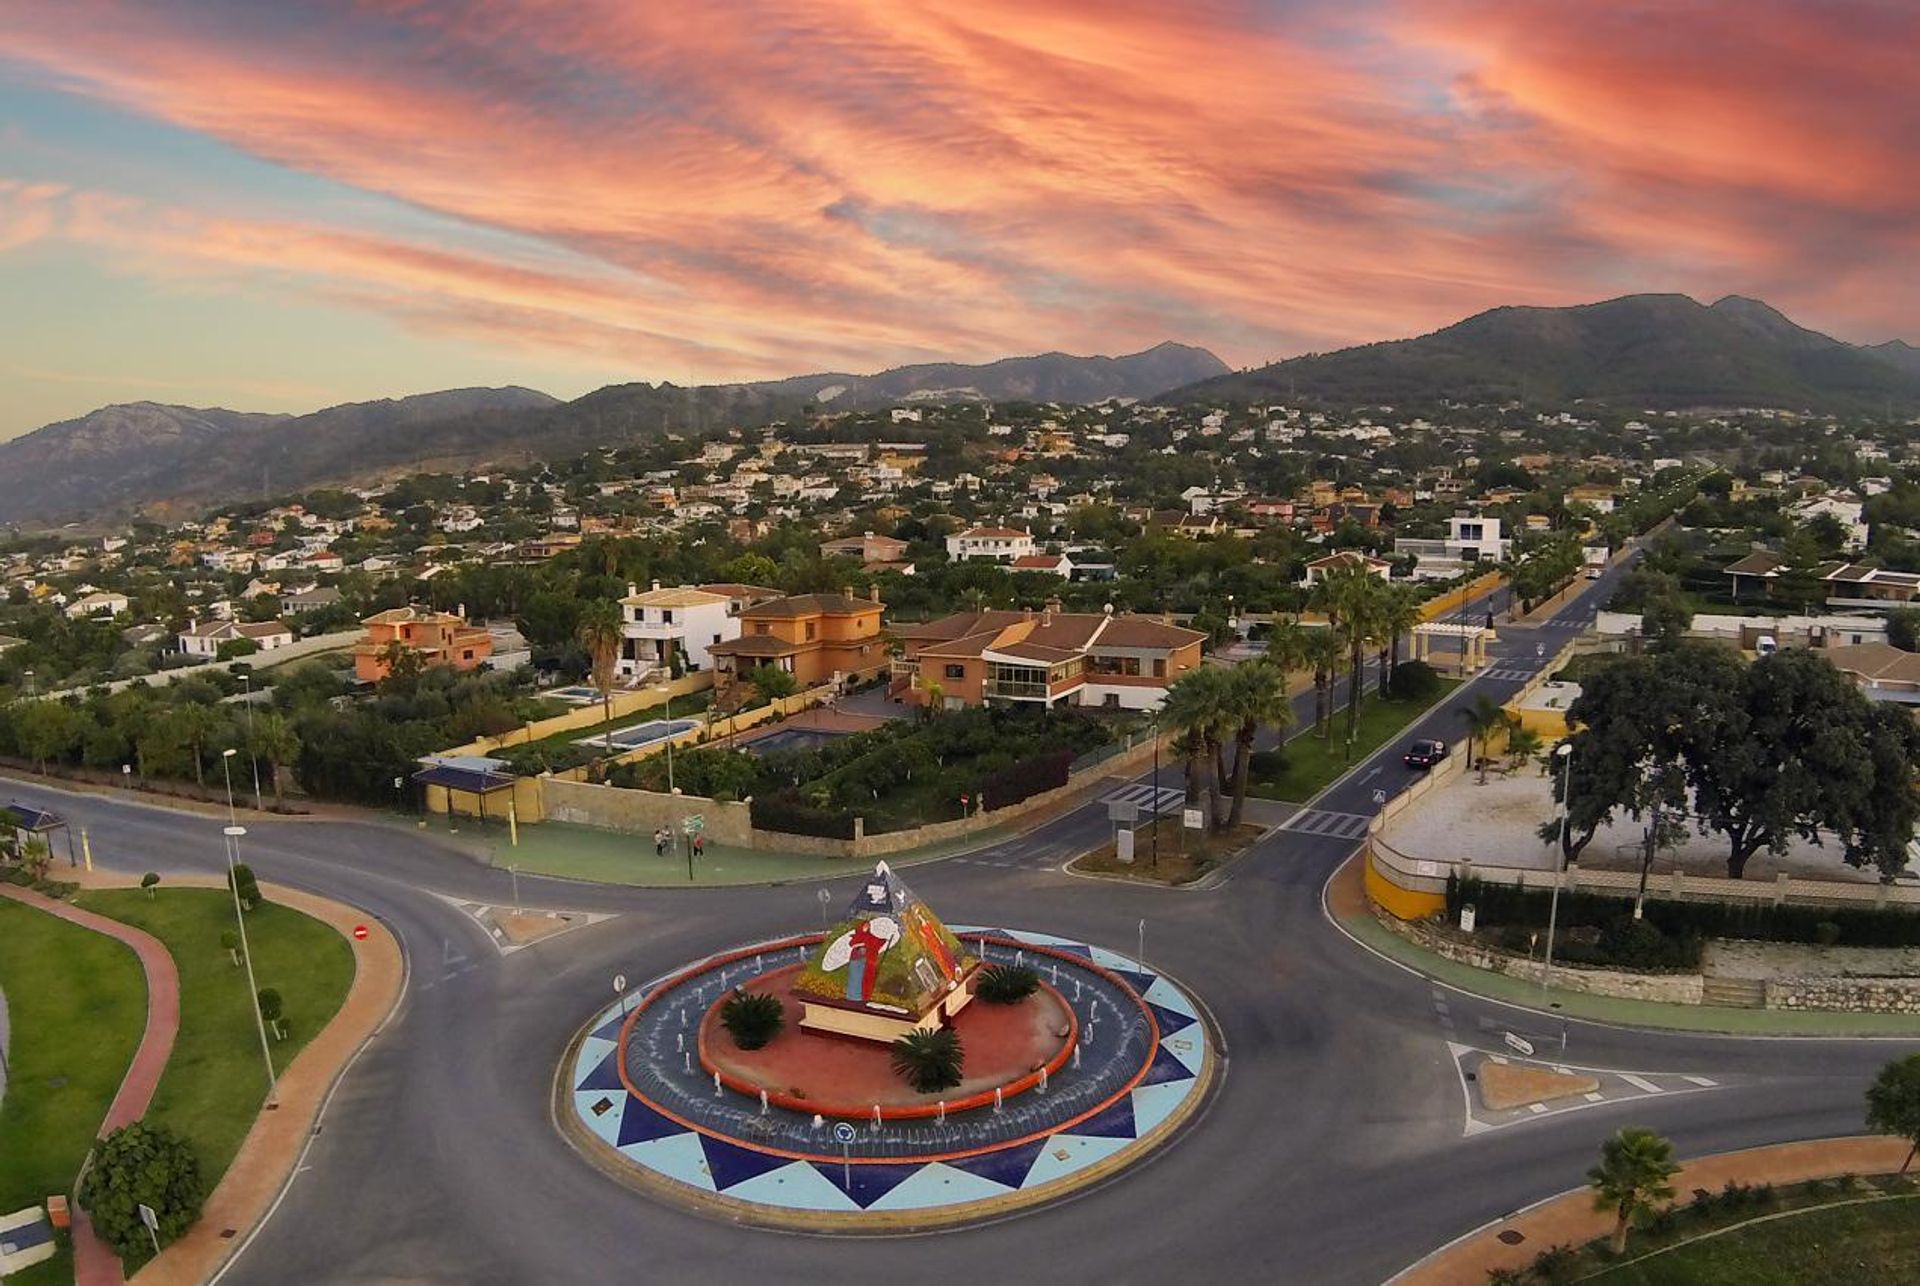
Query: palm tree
point(1320, 652)
point(1351, 597)
point(1198, 711)
point(1523, 743)
point(195, 726)
point(930, 1061)
point(599, 633)
point(1257, 695)
point(1484, 718)
point(1633, 1176)
point(1399, 613)
point(273, 739)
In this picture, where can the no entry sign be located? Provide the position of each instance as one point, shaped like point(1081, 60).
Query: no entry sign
point(359, 932)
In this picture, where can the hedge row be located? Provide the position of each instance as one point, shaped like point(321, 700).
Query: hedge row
point(1505, 904)
point(1029, 777)
point(788, 813)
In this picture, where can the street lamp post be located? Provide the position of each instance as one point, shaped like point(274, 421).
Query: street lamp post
point(1565, 755)
point(233, 833)
point(253, 755)
point(674, 830)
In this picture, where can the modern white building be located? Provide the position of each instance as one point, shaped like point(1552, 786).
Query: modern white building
point(656, 622)
point(206, 638)
point(1470, 539)
point(991, 544)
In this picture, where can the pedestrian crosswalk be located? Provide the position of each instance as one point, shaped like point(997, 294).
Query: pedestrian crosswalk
point(1508, 674)
point(1314, 821)
point(1151, 800)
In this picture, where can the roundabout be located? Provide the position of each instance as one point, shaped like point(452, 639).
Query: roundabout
point(1097, 1067)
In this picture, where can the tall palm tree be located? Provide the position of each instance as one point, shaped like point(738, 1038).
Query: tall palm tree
point(599, 633)
point(1320, 652)
point(1257, 695)
point(1351, 597)
point(1484, 718)
point(273, 739)
point(1198, 711)
point(1399, 613)
point(195, 725)
point(1634, 1175)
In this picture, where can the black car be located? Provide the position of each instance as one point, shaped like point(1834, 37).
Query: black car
point(1425, 754)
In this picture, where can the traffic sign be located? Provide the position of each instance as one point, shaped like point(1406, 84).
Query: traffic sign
point(360, 933)
point(147, 1216)
point(694, 823)
point(619, 983)
point(1192, 819)
point(1123, 811)
point(843, 1133)
point(1379, 796)
point(1519, 1044)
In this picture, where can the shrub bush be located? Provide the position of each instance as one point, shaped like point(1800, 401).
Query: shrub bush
point(1826, 933)
point(929, 1061)
point(788, 813)
point(240, 879)
point(752, 1018)
point(138, 1165)
point(1267, 765)
point(1007, 984)
point(1413, 681)
point(1029, 777)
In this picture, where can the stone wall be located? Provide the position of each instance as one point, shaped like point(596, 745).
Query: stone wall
point(1852, 995)
point(641, 812)
point(1667, 988)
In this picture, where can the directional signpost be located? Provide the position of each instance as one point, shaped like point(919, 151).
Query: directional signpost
point(1519, 1044)
point(152, 1221)
point(843, 1135)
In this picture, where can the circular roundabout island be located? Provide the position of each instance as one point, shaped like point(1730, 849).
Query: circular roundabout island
point(915, 1077)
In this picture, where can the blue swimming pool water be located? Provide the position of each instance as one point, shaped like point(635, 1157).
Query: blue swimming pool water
point(791, 739)
point(640, 734)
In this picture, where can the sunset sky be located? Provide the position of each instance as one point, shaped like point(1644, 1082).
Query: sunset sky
point(282, 205)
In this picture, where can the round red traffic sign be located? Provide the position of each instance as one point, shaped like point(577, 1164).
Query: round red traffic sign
point(359, 931)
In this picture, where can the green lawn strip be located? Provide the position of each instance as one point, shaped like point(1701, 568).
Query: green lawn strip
point(214, 1083)
point(611, 857)
point(1314, 764)
point(1873, 1242)
point(1633, 1013)
point(76, 1006)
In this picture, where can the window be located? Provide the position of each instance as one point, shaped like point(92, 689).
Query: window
point(716, 638)
point(1113, 701)
point(666, 616)
point(956, 671)
point(762, 628)
point(1159, 667)
point(812, 630)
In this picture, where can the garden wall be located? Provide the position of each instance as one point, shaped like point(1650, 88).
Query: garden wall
point(641, 812)
point(1668, 988)
point(1852, 995)
point(587, 716)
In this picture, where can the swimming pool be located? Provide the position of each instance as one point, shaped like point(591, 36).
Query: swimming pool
point(790, 739)
point(578, 695)
point(639, 734)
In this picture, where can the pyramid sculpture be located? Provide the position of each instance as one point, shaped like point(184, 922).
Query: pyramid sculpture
point(886, 968)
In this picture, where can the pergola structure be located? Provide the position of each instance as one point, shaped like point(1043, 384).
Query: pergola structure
point(35, 821)
point(1470, 641)
point(468, 775)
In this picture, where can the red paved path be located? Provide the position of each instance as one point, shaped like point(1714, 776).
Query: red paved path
point(845, 1076)
point(94, 1263)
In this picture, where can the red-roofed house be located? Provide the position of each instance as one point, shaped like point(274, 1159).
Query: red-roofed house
point(1050, 658)
point(993, 544)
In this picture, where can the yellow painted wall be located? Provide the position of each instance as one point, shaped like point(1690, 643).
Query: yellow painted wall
point(1451, 601)
point(1404, 904)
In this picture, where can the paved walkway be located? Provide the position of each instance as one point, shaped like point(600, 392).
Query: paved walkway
point(264, 1165)
point(1571, 1219)
point(94, 1263)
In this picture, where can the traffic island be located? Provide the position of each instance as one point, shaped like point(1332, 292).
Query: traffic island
point(1097, 1064)
point(1165, 852)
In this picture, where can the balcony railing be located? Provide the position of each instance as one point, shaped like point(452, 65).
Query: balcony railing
point(1016, 690)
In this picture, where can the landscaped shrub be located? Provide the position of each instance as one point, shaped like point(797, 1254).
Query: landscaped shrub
point(1826, 933)
point(240, 879)
point(1007, 984)
point(1413, 681)
point(788, 813)
point(1028, 777)
point(136, 1165)
point(752, 1018)
point(1499, 904)
point(929, 1061)
point(1267, 765)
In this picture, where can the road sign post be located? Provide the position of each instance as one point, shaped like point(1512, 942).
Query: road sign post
point(843, 1134)
point(620, 990)
point(152, 1221)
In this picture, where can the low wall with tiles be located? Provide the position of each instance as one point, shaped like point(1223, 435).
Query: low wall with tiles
point(1667, 988)
point(1849, 995)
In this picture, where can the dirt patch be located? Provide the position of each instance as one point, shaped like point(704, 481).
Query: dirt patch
point(1184, 856)
point(1505, 1085)
point(520, 928)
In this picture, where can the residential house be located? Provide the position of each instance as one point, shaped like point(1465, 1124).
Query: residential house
point(100, 604)
point(814, 637)
point(870, 549)
point(1471, 539)
point(1880, 670)
point(990, 544)
point(206, 638)
point(1049, 658)
point(1052, 564)
point(660, 622)
point(441, 638)
point(1318, 568)
point(312, 599)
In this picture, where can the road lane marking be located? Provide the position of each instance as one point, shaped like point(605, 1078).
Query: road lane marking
point(1640, 1082)
point(1702, 1081)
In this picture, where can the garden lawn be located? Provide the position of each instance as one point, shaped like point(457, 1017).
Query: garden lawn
point(1313, 764)
point(214, 1083)
point(76, 1004)
point(1871, 1244)
point(1184, 855)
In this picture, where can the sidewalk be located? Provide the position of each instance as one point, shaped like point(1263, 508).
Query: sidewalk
point(1571, 1219)
point(94, 1264)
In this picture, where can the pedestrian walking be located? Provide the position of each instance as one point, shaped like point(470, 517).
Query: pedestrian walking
point(660, 842)
point(700, 844)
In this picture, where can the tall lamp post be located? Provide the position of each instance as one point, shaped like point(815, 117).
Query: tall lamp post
point(1564, 753)
point(233, 833)
point(253, 754)
point(674, 830)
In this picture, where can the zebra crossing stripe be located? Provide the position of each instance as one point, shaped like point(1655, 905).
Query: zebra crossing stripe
point(1640, 1082)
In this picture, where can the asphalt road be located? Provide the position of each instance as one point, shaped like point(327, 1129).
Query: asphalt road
point(1334, 1150)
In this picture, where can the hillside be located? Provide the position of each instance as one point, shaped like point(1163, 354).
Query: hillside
point(1638, 351)
point(144, 455)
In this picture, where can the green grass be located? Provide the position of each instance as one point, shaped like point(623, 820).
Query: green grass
point(214, 1084)
point(686, 707)
point(1313, 764)
point(1870, 1244)
point(76, 1005)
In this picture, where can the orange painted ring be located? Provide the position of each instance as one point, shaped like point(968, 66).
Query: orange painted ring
point(708, 966)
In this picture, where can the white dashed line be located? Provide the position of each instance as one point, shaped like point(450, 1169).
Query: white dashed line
point(1640, 1082)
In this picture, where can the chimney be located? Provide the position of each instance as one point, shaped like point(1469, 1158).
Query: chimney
point(632, 589)
point(461, 611)
point(846, 591)
point(1055, 605)
point(874, 593)
point(656, 585)
point(1026, 613)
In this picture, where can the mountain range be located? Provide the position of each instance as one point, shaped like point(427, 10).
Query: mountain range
point(147, 456)
point(1638, 351)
